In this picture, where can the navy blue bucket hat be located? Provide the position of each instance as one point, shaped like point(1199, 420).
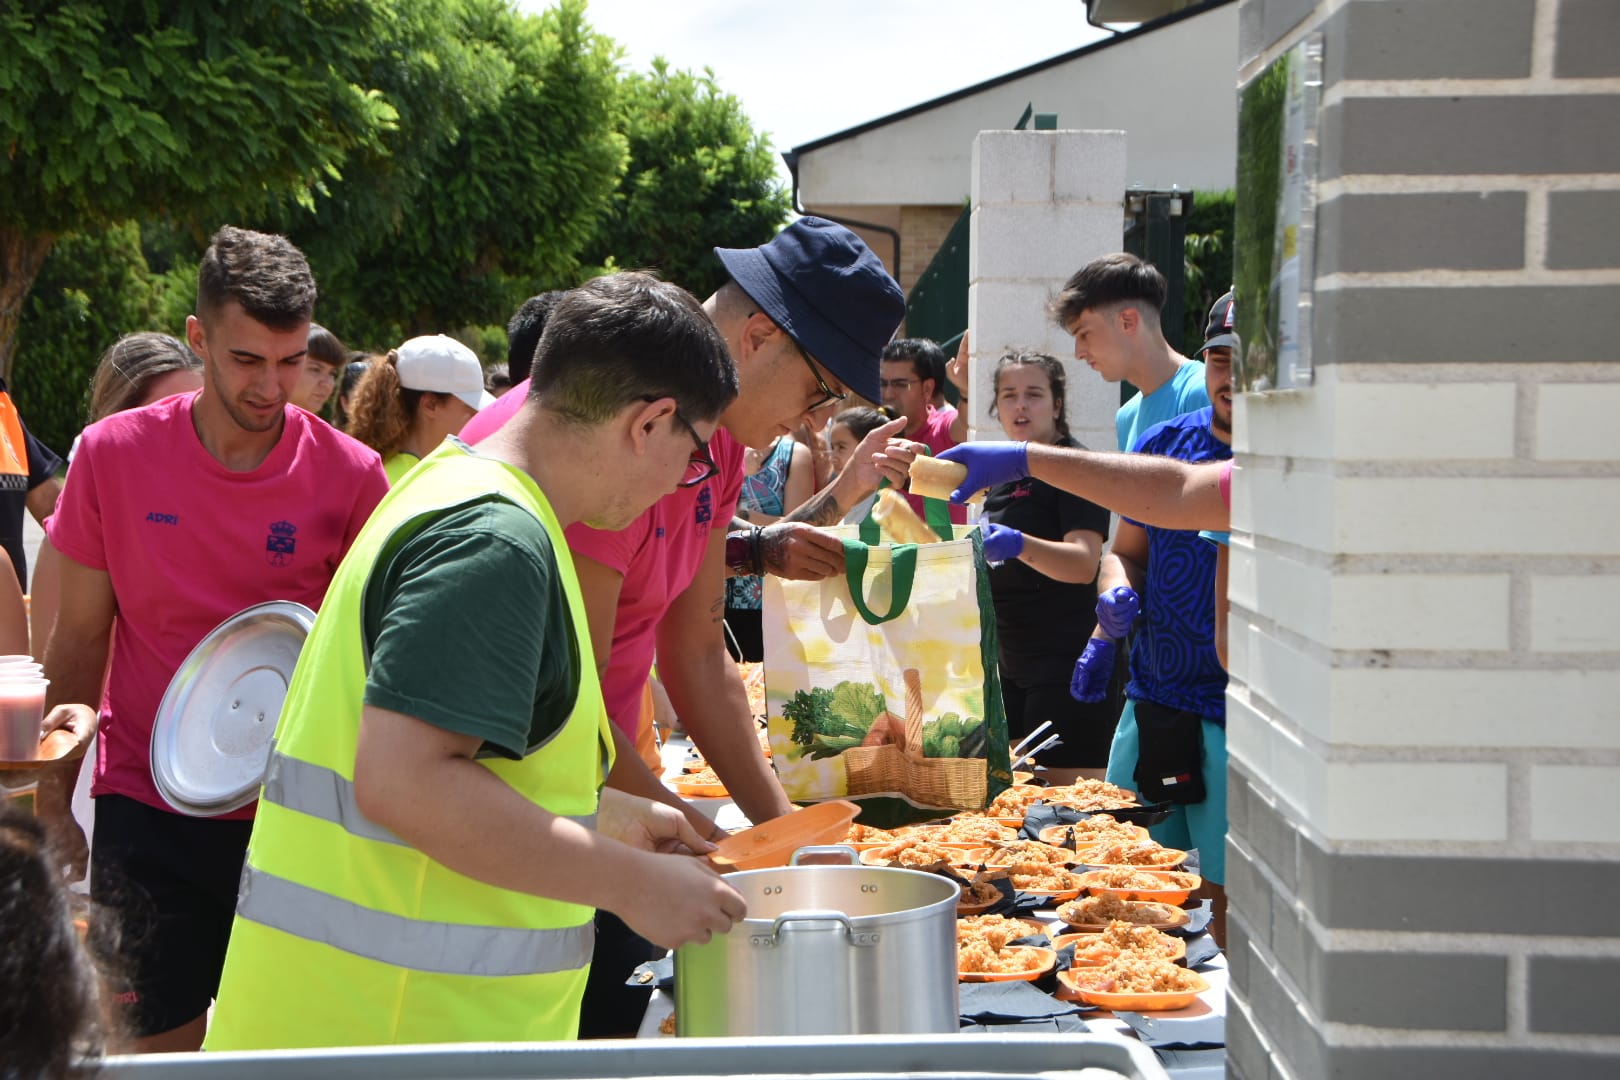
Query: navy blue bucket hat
point(821, 284)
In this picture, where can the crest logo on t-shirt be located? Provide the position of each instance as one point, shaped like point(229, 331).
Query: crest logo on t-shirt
point(704, 511)
point(279, 546)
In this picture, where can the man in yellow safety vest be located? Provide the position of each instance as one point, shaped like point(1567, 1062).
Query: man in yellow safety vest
point(434, 834)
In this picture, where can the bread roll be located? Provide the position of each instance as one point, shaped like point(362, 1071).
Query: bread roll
point(899, 521)
point(935, 479)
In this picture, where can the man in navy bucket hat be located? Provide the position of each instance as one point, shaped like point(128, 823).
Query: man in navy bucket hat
point(827, 292)
point(805, 318)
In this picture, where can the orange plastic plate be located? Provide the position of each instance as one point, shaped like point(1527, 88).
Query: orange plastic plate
point(774, 842)
point(1042, 958)
point(1072, 987)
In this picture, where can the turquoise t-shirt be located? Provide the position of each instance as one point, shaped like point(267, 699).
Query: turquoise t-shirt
point(1182, 393)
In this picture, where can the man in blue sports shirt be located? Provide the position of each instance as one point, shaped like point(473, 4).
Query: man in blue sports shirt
point(1170, 745)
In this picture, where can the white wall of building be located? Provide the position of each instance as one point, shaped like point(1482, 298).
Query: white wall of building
point(1172, 90)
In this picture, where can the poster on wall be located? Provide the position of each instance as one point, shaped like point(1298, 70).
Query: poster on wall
point(1275, 220)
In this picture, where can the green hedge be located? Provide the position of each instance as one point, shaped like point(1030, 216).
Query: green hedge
point(92, 289)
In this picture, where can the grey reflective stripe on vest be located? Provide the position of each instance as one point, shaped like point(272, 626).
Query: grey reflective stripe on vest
point(322, 793)
point(412, 944)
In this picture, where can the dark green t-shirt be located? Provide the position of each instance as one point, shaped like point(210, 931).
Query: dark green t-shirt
point(468, 627)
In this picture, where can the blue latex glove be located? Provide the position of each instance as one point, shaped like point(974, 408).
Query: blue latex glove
point(1001, 543)
point(1092, 671)
point(989, 464)
point(1117, 609)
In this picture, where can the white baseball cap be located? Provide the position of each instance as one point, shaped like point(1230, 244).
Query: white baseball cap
point(443, 365)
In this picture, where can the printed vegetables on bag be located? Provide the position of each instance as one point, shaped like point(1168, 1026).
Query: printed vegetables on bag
point(828, 722)
point(953, 736)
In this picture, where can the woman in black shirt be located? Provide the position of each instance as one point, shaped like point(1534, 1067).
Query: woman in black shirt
point(1048, 543)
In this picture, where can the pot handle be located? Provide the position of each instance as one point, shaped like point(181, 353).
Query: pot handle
point(787, 918)
point(824, 854)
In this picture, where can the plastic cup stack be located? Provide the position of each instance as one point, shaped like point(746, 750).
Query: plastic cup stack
point(22, 707)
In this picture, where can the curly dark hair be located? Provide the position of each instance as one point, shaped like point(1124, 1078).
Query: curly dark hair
point(50, 1016)
point(382, 410)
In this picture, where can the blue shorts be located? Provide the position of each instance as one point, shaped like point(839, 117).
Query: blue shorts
point(1199, 825)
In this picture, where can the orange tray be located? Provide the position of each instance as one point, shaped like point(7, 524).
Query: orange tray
point(699, 791)
point(870, 857)
point(774, 842)
point(982, 853)
point(1176, 948)
point(1055, 895)
point(1171, 894)
point(1071, 987)
point(965, 908)
point(1171, 858)
point(1035, 925)
point(1171, 917)
point(1057, 834)
point(1047, 958)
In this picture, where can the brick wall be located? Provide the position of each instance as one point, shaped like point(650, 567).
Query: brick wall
point(1424, 715)
point(922, 230)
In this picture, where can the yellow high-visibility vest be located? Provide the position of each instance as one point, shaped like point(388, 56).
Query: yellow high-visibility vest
point(344, 935)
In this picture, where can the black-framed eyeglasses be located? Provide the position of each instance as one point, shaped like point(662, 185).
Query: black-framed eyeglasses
point(828, 394)
point(701, 466)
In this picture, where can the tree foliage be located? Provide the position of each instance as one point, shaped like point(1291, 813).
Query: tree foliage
point(1208, 246)
point(699, 177)
point(502, 208)
point(437, 163)
point(119, 109)
point(94, 288)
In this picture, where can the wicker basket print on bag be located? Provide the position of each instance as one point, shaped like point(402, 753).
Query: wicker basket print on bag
point(898, 767)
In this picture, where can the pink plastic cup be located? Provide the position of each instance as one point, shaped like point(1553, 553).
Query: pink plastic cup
point(22, 709)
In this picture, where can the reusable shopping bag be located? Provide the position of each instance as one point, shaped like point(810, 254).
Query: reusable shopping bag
point(881, 684)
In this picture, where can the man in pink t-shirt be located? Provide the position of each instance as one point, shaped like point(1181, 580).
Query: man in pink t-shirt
point(177, 516)
point(912, 371)
point(804, 317)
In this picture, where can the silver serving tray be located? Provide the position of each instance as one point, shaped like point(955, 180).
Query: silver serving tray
point(213, 731)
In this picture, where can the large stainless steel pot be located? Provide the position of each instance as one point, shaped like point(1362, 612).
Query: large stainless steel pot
point(826, 950)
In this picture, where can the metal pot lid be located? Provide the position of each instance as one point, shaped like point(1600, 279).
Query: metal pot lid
point(212, 735)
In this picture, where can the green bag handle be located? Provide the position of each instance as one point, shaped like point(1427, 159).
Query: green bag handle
point(904, 557)
point(937, 512)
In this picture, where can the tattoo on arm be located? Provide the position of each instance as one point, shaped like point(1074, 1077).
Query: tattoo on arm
point(773, 549)
point(820, 509)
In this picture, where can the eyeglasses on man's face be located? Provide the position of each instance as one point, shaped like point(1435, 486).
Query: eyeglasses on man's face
point(828, 394)
point(901, 385)
point(701, 466)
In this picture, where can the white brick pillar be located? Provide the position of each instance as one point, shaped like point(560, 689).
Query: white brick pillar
point(1424, 708)
point(1045, 203)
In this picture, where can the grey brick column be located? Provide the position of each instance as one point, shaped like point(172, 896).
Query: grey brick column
point(1424, 714)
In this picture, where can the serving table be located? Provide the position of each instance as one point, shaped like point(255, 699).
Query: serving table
point(1201, 1024)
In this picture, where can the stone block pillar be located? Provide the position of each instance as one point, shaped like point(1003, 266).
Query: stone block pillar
point(1424, 713)
point(1045, 203)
